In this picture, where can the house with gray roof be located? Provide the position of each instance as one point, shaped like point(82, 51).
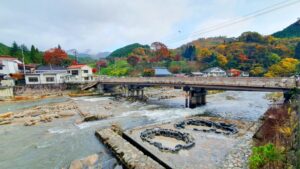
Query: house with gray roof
point(162, 72)
point(215, 72)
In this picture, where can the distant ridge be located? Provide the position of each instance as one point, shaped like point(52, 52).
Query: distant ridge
point(126, 50)
point(291, 31)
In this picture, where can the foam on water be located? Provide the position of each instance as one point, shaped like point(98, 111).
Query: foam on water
point(58, 130)
point(91, 99)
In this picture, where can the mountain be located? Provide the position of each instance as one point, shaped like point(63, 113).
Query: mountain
point(291, 31)
point(102, 54)
point(88, 54)
point(126, 50)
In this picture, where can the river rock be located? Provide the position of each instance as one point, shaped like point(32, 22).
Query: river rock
point(95, 117)
point(5, 122)
point(6, 115)
point(91, 160)
point(76, 164)
point(30, 123)
point(66, 113)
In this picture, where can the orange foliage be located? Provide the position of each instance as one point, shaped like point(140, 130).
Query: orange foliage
point(55, 56)
point(243, 57)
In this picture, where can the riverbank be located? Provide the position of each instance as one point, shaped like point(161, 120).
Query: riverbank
point(69, 140)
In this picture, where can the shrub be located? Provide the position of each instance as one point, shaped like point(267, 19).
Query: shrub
point(266, 155)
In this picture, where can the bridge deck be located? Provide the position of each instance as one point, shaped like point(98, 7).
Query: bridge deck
point(219, 83)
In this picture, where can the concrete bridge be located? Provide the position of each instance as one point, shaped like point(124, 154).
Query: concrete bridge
point(196, 87)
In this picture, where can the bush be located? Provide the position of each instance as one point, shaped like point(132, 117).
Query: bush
point(266, 155)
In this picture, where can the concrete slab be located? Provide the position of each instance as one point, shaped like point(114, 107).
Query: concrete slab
point(210, 148)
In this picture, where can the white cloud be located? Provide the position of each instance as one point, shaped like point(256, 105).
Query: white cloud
point(102, 25)
point(93, 24)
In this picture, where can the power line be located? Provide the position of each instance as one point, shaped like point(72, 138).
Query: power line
point(251, 15)
point(237, 18)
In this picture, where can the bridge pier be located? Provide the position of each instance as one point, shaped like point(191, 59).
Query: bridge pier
point(195, 97)
point(135, 91)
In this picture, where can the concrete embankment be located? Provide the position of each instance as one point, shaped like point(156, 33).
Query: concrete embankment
point(129, 155)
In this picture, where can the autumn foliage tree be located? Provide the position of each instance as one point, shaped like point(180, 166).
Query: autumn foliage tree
point(286, 67)
point(148, 72)
point(56, 56)
point(161, 50)
point(133, 60)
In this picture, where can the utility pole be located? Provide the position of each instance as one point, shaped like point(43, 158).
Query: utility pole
point(24, 70)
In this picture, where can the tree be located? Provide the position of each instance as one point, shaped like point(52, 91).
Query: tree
point(179, 67)
point(148, 72)
point(222, 60)
point(286, 67)
point(272, 59)
point(190, 53)
point(14, 49)
point(251, 37)
point(298, 69)
point(35, 55)
point(161, 50)
point(257, 70)
point(133, 60)
point(297, 51)
point(101, 64)
point(56, 56)
point(119, 68)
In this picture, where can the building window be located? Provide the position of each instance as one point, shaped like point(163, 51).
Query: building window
point(33, 79)
point(74, 72)
point(69, 71)
point(49, 79)
point(86, 78)
point(85, 71)
point(1, 67)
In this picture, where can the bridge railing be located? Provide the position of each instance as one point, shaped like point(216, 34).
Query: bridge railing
point(285, 83)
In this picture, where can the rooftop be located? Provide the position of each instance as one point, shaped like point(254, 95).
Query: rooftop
point(78, 66)
point(162, 71)
point(6, 57)
point(51, 68)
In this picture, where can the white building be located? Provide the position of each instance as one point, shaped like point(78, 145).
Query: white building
point(9, 65)
point(47, 75)
point(79, 73)
point(215, 72)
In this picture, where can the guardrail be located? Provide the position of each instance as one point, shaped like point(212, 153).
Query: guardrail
point(255, 82)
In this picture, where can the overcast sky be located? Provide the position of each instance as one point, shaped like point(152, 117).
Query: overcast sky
point(104, 25)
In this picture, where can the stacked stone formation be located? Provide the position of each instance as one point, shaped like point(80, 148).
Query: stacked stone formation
point(149, 134)
point(227, 128)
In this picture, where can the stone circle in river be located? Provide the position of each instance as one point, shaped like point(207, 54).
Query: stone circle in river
point(149, 134)
point(215, 127)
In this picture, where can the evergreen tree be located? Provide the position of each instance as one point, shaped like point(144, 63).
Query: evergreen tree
point(14, 49)
point(297, 51)
point(59, 47)
point(24, 48)
point(35, 55)
point(190, 53)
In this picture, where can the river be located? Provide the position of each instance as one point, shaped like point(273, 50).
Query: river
point(54, 145)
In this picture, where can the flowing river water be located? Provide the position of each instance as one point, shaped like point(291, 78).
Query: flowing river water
point(54, 145)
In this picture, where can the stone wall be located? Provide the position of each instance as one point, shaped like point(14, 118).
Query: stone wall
point(129, 155)
point(6, 92)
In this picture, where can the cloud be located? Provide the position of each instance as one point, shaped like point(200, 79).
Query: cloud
point(96, 25)
point(104, 25)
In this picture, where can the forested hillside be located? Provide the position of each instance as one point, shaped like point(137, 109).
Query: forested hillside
point(252, 52)
point(126, 50)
